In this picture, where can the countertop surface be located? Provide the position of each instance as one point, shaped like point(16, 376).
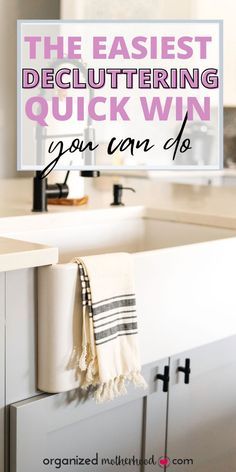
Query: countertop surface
point(195, 204)
point(16, 254)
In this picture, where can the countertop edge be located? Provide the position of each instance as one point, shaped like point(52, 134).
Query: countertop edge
point(16, 255)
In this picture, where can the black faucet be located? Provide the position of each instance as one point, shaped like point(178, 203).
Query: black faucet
point(42, 191)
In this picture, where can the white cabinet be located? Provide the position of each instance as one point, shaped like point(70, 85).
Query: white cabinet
point(194, 421)
point(134, 9)
point(226, 11)
point(66, 425)
point(202, 413)
point(18, 334)
point(168, 9)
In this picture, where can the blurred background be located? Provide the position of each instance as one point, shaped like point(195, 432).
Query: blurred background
point(11, 10)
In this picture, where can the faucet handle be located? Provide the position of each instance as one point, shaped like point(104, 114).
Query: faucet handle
point(117, 194)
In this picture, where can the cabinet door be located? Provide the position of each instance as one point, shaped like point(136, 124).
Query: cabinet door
point(156, 410)
point(21, 317)
point(202, 414)
point(65, 427)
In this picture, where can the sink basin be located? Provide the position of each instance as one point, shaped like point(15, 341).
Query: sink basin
point(184, 276)
point(130, 229)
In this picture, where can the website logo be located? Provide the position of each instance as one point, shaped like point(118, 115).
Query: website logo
point(165, 461)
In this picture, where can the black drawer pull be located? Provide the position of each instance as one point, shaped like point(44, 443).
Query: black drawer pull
point(165, 378)
point(186, 370)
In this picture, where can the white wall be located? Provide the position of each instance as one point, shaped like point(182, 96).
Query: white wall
point(10, 11)
point(125, 9)
point(223, 10)
point(168, 9)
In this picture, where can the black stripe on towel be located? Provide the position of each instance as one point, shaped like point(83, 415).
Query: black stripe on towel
point(116, 329)
point(121, 318)
point(117, 313)
point(114, 298)
point(110, 306)
point(98, 343)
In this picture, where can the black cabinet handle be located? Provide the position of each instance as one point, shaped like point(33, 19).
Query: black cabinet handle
point(186, 370)
point(165, 378)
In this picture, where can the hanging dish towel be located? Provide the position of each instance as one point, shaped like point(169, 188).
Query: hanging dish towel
point(110, 351)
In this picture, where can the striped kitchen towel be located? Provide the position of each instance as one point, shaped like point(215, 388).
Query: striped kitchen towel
point(110, 350)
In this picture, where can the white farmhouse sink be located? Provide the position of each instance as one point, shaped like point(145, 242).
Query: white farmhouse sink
point(184, 274)
point(130, 229)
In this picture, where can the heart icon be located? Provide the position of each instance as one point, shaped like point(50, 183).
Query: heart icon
point(164, 461)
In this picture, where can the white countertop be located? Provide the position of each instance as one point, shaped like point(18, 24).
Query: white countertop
point(195, 204)
point(208, 205)
point(16, 254)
